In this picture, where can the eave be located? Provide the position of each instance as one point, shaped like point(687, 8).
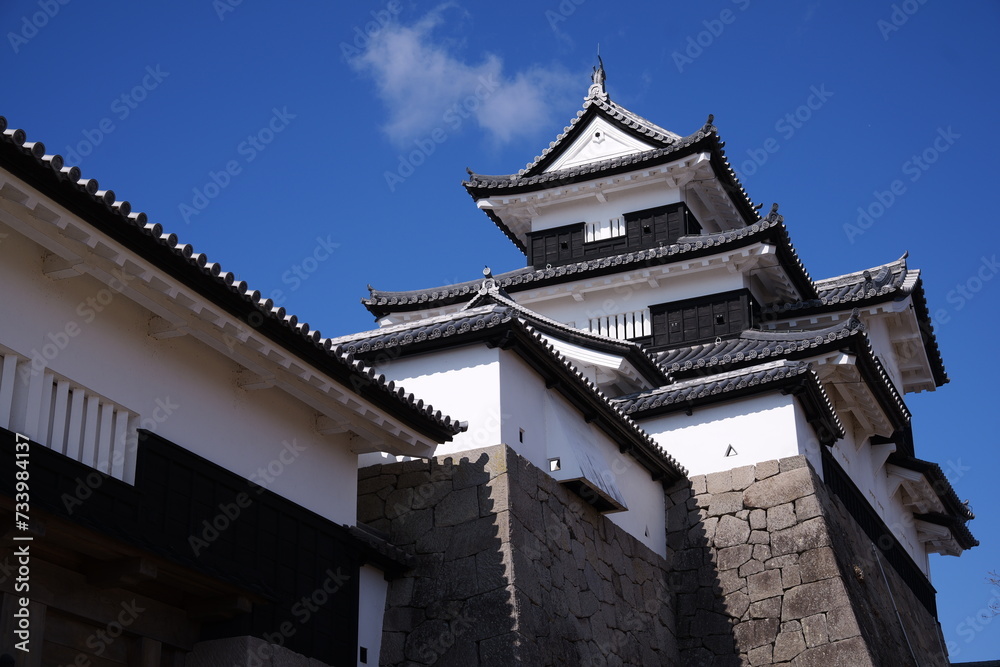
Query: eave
point(80, 224)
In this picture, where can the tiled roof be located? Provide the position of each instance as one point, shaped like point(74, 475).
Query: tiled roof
point(771, 228)
point(102, 209)
point(668, 147)
point(753, 346)
point(878, 283)
point(892, 281)
point(723, 385)
point(489, 292)
point(597, 100)
point(756, 346)
point(498, 319)
point(486, 183)
point(938, 480)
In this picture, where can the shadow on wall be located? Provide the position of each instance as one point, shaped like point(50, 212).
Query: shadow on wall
point(455, 606)
point(512, 568)
point(706, 608)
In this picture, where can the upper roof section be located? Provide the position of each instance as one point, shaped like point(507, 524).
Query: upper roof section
point(600, 130)
point(608, 153)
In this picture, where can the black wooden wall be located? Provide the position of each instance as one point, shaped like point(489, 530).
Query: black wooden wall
point(644, 229)
point(274, 547)
point(702, 319)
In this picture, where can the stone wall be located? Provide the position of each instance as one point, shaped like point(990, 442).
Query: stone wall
point(770, 569)
point(512, 568)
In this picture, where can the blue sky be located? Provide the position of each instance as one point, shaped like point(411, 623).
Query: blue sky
point(319, 148)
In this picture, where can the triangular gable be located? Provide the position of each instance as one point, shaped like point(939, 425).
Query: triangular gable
point(599, 140)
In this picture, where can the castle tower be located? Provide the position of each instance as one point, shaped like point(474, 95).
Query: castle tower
point(665, 358)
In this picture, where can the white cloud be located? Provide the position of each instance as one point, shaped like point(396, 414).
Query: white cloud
point(425, 86)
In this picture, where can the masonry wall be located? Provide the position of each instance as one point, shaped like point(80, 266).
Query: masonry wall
point(511, 569)
point(770, 569)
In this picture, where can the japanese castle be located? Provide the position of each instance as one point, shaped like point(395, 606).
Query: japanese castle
point(659, 442)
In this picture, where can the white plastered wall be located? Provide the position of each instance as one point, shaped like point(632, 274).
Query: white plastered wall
point(461, 382)
point(759, 428)
point(589, 209)
point(371, 612)
point(113, 355)
point(542, 413)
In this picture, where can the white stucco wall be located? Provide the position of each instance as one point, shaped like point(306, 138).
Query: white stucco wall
point(371, 611)
point(460, 382)
point(589, 209)
point(760, 428)
point(112, 355)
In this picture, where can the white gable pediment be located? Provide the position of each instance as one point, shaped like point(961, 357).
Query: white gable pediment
point(600, 140)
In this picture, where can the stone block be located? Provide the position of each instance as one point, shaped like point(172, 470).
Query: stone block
point(719, 645)
point(703, 533)
point(408, 528)
point(816, 564)
point(780, 517)
point(730, 581)
point(688, 559)
point(847, 653)
point(814, 630)
point(729, 502)
point(791, 576)
point(779, 489)
point(752, 567)
point(781, 561)
point(766, 469)
point(471, 473)
point(751, 634)
point(760, 537)
point(841, 623)
point(488, 615)
point(400, 592)
point(788, 645)
point(398, 502)
point(370, 471)
point(699, 484)
point(370, 508)
point(813, 598)
point(420, 642)
point(495, 496)
point(805, 536)
point(736, 604)
point(764, 585)
point(403, 619)
point(375, 484)
point(808, 507)
point(471, 538)
point(761, 552)
point(719, 482)
point(792, 463)
point(760, 656)
point(769, 608)
point(731, 557)
point(731, 531)
point(743, 477)
point(758, 519)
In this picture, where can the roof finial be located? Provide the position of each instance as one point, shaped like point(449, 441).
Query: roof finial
point(598, 76)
